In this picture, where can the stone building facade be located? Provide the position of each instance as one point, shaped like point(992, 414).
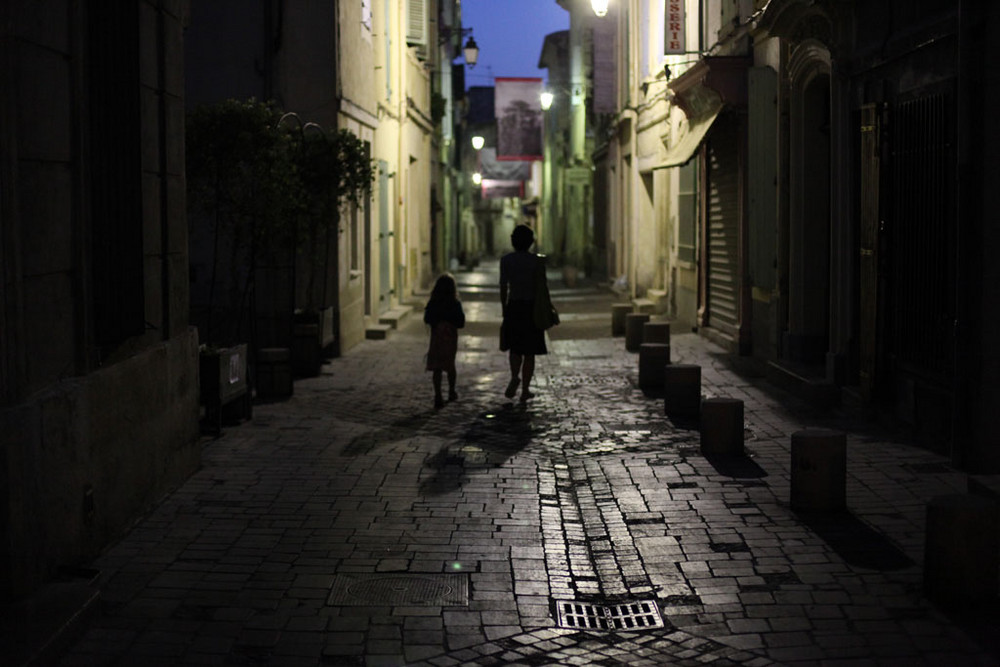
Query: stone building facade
point(806, 182)
point(99, 368)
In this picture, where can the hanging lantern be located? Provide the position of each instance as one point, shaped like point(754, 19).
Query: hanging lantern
point(471, 52)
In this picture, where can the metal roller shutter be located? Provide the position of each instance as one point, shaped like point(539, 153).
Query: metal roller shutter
point(722, 295)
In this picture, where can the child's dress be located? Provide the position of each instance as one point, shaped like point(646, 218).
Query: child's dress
point(445, 319)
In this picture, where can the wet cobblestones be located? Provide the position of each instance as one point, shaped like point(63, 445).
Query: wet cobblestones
point(588, 493)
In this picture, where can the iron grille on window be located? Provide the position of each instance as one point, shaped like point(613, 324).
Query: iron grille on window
point(922, 232)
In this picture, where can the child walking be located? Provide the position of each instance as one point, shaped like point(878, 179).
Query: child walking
point(445, 316)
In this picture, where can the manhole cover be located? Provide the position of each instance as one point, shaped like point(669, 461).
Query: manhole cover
point(416, 590)
point(637, 615)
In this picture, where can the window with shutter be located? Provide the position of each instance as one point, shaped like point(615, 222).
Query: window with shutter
point(416, 23)
point(687, 212)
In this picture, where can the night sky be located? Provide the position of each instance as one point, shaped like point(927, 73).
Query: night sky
point(510, 34)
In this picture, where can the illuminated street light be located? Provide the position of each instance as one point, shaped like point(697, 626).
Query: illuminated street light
point(546, 99)
point(478, 142)
point(477, 178)
point(600, 7)
point(471, 52)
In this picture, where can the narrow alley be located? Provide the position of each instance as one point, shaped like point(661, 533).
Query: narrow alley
point(354, 524)
point(220, 223)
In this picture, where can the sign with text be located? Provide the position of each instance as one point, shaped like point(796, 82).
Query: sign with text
point(674, 42)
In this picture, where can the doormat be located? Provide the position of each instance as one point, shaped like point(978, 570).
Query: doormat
point(399, 590)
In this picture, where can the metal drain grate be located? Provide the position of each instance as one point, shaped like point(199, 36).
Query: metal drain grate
point(638, 615)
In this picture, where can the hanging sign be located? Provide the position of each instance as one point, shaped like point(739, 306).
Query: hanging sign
point(519, 118)
point(498, 189)
point(674, 42)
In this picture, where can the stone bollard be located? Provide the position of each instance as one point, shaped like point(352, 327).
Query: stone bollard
point(819, 470)
point(961, 549)
point(274, 372)
point(682, 390)
point(634, 323)
point(656, 332)
point(722, 426)
point(618, 313)
point(653, 359)
point(644, 305)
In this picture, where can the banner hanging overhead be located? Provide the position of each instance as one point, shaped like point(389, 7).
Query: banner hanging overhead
point(519, 118)
point(674, 42)
point(498, 189)
point(508, 170)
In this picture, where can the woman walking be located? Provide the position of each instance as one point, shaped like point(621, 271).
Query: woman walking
point(519, 333)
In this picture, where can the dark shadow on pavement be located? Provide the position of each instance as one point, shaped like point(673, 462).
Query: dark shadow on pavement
point(684, 422)
point(491, 439)
point(739, 467)
point(980, 620)
point(449, 473)
point(504, 431)
point(658, 393)
point(399, 429)
point(855, 541)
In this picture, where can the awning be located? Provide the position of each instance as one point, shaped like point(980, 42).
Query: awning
point(684, 148)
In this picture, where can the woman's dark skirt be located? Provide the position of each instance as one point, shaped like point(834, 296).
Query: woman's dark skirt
point(519, 333)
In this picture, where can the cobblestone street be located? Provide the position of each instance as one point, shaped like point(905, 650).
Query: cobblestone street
point(354, 524)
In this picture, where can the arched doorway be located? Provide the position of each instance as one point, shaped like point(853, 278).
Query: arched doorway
point(806, 338)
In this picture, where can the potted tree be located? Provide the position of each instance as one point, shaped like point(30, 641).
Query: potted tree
point(334, 171)
point(243, 189)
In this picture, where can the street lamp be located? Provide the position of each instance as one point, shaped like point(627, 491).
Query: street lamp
point(546, 99)
point(470, 51)
point(478, 142)
point(477, 178)
point(600, 7)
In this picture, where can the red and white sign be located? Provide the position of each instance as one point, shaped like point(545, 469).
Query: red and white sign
point(674, 42)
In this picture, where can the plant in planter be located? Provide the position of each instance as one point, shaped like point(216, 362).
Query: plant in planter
point(244, 191)
point(334, 171)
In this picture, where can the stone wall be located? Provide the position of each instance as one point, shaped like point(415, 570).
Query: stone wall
point(98, 420)
point(87, 456)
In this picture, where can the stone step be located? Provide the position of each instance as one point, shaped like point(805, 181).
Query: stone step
point(394, 316)
point(378, 331)
point(815, 390)
point(659, 299)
